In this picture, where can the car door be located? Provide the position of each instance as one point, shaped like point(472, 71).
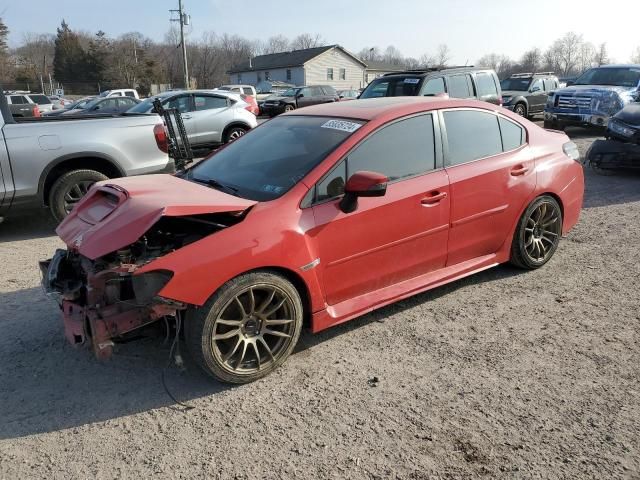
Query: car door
point(537, 96)
point(304, 97)
point(184, 104)
point(110, 105)
point(212, 113)
point(491, 174)
point(125, 103)
point(386, 239)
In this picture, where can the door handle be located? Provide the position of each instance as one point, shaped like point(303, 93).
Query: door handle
point(433, 199)
point(519, 171)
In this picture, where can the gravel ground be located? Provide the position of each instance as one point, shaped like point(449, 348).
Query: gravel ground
point(506, 374)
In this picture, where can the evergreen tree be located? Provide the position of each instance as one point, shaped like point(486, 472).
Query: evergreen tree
point(70, 63)
point(97, 58)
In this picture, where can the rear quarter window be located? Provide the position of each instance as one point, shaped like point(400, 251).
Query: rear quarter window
point(459, 86)
point(513, 135)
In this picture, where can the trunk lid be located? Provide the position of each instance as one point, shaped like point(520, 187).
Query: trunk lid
point(115, 213)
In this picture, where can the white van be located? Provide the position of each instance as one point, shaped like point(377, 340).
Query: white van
point(122, 92)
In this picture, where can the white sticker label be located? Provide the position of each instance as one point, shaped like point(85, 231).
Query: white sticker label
point(411, 80)
point(341, 125)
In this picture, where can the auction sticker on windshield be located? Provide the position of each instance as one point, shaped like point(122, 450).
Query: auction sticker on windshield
point(411, 80)
point(343, 125)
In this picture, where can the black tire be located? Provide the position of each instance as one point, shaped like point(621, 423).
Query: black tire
point(225, 359)
point(520, 109)
point(67, 190)
point(289, 108)
point(234, 133)
point(542, 231)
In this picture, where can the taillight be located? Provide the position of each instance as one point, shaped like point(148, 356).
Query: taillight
point(570, 149)
point(162, 140)
point(36, 111)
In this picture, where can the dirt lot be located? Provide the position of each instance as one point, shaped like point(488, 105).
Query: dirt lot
point(507, 374)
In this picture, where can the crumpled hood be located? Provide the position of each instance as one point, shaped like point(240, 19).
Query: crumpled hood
point(115, 213)
point(593, 90)
point(629, 114)
point(275, 98)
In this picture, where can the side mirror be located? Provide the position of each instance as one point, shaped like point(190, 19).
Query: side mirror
point(300, 95)
point(362, 184)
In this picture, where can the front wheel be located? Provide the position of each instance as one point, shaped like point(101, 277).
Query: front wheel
point(247, 329)
point(538, 233)
point(67, 190)
point(520, 109)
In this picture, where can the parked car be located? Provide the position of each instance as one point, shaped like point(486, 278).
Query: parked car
point(457, 82)
point(51, 162)
point(240, 89)
point(527, 93)
point(58, 102)
point(76, 105)
point(210, 117)
point(319, 215)
point(103, 105)
point(44, 104)
point(298, 97)
point(348, 94)
point(21, 105)
point(621, 148)
point(122, 92)
point(595, 96)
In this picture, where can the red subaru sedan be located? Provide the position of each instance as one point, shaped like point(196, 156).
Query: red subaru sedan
point(317, 216)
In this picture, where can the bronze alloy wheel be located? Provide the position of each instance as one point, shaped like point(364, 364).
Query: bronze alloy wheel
point(247, 329)
point(538, 233)
point(253, 329)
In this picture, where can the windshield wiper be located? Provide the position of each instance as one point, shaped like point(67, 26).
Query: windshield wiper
point(211, 182)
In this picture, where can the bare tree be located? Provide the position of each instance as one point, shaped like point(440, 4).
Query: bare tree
point(412, 63)
point(601, 56)
point(370, 54)
point(500, 63)
point(565, 53)
point(306, 40)
point(393, 56)
point(275, 44)
point(531, 60)
point(635, 56)
point(427, 60)
point(586, 56)
point(443, 55)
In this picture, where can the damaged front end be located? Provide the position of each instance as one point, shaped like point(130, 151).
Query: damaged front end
point(96, 281)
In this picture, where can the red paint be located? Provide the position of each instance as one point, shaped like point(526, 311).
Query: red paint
point(424, 232)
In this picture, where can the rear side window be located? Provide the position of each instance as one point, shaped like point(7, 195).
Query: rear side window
point(459, 87)
point(512, 134)
point(40, 99)
point(316, 92)
point(471, 135)
point(328, 90)
point(403, 149)
point(434, 86)
point(486, 85)
point(183, 103)
point(18, 100)
point(550, 84)
point(207, 103)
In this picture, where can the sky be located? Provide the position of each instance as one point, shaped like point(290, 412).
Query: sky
point(470, 28)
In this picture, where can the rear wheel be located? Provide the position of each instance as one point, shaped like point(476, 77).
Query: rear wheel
point(67, 191)
point(246, 329)
point(234, 133)
point(538, 233)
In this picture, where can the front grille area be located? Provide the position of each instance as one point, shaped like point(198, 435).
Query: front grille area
point(581, 102)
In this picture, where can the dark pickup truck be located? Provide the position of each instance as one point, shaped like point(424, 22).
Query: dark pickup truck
point(298, 97)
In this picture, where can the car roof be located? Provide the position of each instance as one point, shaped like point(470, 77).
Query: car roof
point(372, 108)
point(423, 72)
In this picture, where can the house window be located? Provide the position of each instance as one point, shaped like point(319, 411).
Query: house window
point(288, 74)
point(329, 73)
point(239, 78)
point(343, 74)
point(266, 76)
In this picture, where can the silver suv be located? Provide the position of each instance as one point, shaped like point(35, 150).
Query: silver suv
point(210, 117)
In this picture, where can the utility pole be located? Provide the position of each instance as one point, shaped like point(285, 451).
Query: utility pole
point(184, 19)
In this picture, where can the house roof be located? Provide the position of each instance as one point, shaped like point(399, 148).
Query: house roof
point(295, 58)
point(383, 66)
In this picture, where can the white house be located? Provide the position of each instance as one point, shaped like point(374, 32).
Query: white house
point(328, 65)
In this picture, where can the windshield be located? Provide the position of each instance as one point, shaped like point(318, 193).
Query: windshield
point(143, 107)
point(392, 87)
point(224, 88)
point(518, 84)
point(290, 92)
point(621, 77)
point(267, 162)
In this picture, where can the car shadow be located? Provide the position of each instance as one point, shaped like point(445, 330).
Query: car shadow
point(47, 385)
point(613, 188)
point(28, 225)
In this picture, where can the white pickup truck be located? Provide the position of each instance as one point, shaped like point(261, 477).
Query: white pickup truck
point(52, 162)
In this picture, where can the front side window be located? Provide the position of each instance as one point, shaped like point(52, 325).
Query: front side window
point(268, 161)
point(393, 87)
point(18, 100)
point(343, 74)
point(516, 84)
point(400, 150)
point(485, 85)
point(434, 86)
point(329, 73)
point(537, 86)
point(332, 185)
point(182, 103)
point(206, 102)
point(471, 135)
point(459, 86)
point(550, 84)
point(306, 92)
